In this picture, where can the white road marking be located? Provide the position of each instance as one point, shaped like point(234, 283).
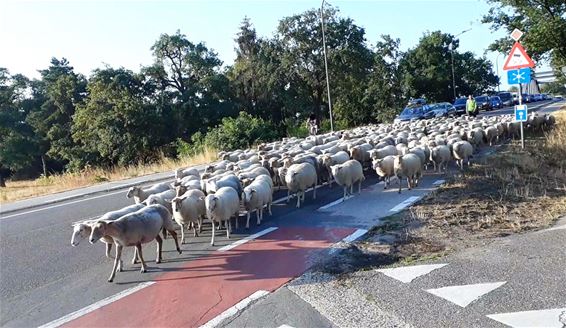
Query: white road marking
point(246, 239)
point(235, 309)
point(539, 318)
point(348, 239)
point(562, 227)
point(59, 205)
point(409, 273)
point(95, 306)
point(283, 199)
point(406, 203)
point(336, 202)
point(466, 294)
point(286, 326)
point(438, 182)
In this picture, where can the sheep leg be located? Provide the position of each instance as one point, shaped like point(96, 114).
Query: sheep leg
point(352, 189)
point(314, 193)
point(298, 199)
point(258, 215)
point(159, 249)
point(143, 267)
point(135, 258)
point(345, 193)
point(360, 188)
point(248, 220)
point(288, 195)
point(174, 235)
point(236, 218)
point(228, 228)
point(108, 249)
point(116, 261)
point(199, 225)
point(213, 232)
point(269, 209)
point(183, 233)
point(400, 182)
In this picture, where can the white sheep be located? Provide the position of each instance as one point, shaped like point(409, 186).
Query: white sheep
point(140, 194)
point(189, 209)
point(462, 150)
point(298, 178)
point(347, 174)
point(384, 167)
point(490, 135)
point(163, 198)
point(181, 173)
point(221, 207)
point(135, 229)
point(439, 156)
point(256, 196)
point(408, 165)
point(328, 160)
point(383, 152)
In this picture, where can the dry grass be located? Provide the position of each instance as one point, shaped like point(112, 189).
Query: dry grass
point(511, 191)
point(16, 190)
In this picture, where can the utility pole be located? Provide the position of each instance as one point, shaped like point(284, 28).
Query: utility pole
point(326, 66)
point(497, 68)
point(451, 48)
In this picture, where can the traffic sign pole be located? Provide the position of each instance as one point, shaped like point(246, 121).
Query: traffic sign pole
point(520, 103)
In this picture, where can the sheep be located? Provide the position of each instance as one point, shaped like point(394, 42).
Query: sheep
point(189, 209)
point(536, 122)
point(340, 157)
point(440, 155)
point(82, 230)
point(490, 134)
point(256, 196)
point(163, 198)
point(384, 167)
point(347, 174)
point(298, 178)
point(514, 129)
point(408, 165)
point(220, 207)
point(549, 121)
point(253, 173)
point(360, 153)
point(135, 229)
point(228, 181)
point(476, 136)
point(140, 194)
point(383, 152)
point(181, 173)
point(419, 152)
point(462, 150)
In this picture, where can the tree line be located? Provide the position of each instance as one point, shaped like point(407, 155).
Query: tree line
point(187, 99)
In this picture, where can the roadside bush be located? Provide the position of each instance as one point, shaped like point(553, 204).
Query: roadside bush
point(240, 132)
point(296, 129)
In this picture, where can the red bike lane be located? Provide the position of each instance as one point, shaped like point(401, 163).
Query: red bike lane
point(200, 290)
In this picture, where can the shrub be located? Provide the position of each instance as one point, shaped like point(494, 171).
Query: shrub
point(240, 132)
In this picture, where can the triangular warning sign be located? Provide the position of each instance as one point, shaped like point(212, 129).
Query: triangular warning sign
point(518, 58)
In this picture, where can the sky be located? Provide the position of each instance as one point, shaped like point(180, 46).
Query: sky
point(120, 33)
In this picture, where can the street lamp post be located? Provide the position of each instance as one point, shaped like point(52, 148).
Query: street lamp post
point(451, 48)
point(326, 66)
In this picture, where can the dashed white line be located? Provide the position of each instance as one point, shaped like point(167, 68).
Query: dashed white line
point(235, 309)
point(533, 319)
point(246, 239)
point(348, 239)
point(59, 205)
point(77, 314)
point(336, 202)
point(406, 203)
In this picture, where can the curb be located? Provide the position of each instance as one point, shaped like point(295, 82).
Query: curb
point(64, 199)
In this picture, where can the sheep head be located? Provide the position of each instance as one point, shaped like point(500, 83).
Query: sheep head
point(133, 191)
point(80, 231)
point(98, 231)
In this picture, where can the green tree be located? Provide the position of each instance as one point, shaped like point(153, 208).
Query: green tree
point(116, 125)
point(555, 87)
point(18, 147)
point(55, 97)
point(544, 24)
point(427, 70)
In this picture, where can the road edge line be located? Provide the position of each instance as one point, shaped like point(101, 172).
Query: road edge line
point(233, 310)
point(247, 239)
point(95, 306)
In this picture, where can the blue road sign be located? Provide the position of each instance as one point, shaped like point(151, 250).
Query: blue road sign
point(518, 76)
point(521, 113)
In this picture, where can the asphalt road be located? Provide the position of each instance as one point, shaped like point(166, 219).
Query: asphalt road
point(43, 278)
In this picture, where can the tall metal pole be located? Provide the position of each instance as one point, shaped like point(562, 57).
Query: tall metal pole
point(326, 67)
point(497, 68)
point(520, 103)
point(453, 76)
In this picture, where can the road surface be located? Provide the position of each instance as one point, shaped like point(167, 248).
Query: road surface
point(45, 279)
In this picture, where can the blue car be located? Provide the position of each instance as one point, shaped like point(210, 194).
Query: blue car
point(496, 102)
point(413, 111)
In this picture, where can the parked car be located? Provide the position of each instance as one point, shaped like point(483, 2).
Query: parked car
point(558, 97)
point(483, 103)
point(526, 98)
point(515, 96)
point(538, 97)
point(496, 102)
point(413, 111)
point(506, 98)
point(460, 105)
point(443, 109)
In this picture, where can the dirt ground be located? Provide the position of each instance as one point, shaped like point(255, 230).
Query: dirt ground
point(510, 191)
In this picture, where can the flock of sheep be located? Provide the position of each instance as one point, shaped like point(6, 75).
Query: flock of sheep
point(244, 181)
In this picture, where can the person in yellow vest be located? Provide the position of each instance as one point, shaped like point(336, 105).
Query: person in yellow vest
point(471, 106)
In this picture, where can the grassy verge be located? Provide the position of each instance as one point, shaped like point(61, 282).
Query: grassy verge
point(16, 190)
point(508, 192)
